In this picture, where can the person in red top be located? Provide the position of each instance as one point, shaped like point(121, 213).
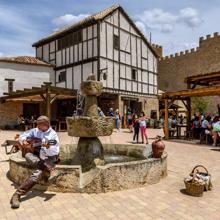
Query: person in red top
point(143, 127)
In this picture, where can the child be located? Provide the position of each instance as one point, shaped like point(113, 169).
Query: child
point(136, 127)
point(143, 126)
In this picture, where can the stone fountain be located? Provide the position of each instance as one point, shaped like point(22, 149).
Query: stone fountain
point(89, 127)
point(91, 166)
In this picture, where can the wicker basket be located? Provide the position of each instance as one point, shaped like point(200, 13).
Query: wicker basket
point(195, 188)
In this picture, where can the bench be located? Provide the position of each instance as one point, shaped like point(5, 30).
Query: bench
point(9, 144)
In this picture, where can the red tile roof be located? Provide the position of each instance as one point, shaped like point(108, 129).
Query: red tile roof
point(25, 60)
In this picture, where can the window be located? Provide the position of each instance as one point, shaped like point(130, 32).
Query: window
point(62, 76)
point(116, 42)
point(10, 86)
point(70, 39)
point(134, 74)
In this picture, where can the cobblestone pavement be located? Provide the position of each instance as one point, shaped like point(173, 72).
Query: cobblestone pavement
point(163, 200)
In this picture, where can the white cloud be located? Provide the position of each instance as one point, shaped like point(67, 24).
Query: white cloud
point(141, 26)
point(160, 20)
point(190, 17)
point(68, 19)
point(17, 32)
point(174, 46)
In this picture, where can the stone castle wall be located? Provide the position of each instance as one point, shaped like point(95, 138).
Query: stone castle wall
point(173, 69)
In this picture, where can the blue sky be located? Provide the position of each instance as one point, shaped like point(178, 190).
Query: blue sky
point(174, 24)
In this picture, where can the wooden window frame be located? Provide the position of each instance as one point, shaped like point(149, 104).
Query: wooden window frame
point(62, 77)
point(70, 40)
point(116, 42)
point(134, 74)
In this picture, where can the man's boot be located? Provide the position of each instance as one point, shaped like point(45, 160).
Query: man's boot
point(54, 174)
point(22, 190)
point(15, 201)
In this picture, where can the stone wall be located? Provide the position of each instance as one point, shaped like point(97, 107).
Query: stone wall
point(158, 49)
point(9, 112)
point(173, 69)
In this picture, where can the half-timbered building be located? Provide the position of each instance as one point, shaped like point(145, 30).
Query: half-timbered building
point(109, 45)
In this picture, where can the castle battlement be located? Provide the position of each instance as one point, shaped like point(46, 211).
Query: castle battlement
point(208, 37)
point(156, 46)
point(193, 50)
point(180, 54)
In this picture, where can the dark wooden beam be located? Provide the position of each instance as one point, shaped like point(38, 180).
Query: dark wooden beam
point(166, 125)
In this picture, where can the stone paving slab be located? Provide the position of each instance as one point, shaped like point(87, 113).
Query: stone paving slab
point(160, 201)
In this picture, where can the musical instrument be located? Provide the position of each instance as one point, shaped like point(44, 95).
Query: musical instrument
point(33, 145)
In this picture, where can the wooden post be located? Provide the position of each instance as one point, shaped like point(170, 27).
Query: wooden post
point(48, 99)
point(189, 114)
point(166, 126)
point(188, 102)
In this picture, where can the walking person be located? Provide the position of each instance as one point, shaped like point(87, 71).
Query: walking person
point(143, 127)
point(40, 156)
point(136, 127)
point(129, 120)
point(117, 119)
point(100, 112)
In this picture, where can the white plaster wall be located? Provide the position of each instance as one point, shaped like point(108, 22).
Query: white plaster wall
point(145, 76)
point(87, 70)
point(76, 58)
point(150, 61)
point(151, 78)
point(123, 22)
point(95, 47)
point(102, 40)
point(89, 48)
point(116, 76)
point(77, 76)
point(71, 54)
point(52, 46)
point(39, 52)
point(85, 50)
point(80, 52)
point(46, 52)
point(69, 77)
point(67, 55)
point(89, 32)
point(26, 76)
point(58, 58)
point(95, 30)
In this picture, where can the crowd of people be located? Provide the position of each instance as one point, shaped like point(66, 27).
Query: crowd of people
point(24, 123)
point(202, 125)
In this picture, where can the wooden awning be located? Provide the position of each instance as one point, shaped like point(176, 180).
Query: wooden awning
point(208, 79)
point(46, 93)
point(205, 91)
point(39, 94)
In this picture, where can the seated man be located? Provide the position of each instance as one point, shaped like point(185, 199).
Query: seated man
point(43, 159)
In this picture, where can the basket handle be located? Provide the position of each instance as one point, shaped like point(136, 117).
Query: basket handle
point(199, 166)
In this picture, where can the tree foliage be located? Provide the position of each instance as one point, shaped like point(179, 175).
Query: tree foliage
point(199, 104)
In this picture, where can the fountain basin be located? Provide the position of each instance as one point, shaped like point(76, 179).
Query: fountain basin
point(83, 126)
point(109, 177)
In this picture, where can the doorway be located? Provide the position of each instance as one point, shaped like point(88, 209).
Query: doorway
point(31, 109)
